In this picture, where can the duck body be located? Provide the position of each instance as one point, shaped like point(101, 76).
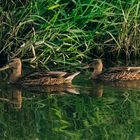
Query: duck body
point(46, 78)
point(114, 73)
point(37, 78)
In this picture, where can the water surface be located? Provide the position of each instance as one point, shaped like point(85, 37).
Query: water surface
point(95, 111)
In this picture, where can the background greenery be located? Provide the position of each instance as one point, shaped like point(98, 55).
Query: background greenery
point(69, 31)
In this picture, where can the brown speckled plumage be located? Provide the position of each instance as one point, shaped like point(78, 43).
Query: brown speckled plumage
point(114, 73)
point(38, 78)
point(43, 79)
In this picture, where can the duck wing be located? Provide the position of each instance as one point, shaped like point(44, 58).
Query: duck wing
point(44, 79)
point(41, 79)
point(57, 73)
point(121, 73)
point(124, 69)
point(53, 74)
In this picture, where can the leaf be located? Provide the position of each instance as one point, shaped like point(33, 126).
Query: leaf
point(54, 6)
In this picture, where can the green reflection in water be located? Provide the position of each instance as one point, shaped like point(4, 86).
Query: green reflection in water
point(100, 111)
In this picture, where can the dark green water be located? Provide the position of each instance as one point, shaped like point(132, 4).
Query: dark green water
point(101, 111)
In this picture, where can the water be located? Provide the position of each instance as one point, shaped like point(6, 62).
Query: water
point(87, 110)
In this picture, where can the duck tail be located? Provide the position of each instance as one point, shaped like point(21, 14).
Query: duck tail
point(70, 77)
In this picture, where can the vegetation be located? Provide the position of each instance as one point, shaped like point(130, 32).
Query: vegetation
point(65, 33)
point(71, 31)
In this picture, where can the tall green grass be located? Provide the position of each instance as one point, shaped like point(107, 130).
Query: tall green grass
point(69, 32)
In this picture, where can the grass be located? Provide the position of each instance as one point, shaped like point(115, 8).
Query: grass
point(69, 32)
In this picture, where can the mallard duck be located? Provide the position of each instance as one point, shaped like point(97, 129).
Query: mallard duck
point(114, 73)
point(37, 78)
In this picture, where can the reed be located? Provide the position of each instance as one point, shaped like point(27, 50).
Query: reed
point(69, 32)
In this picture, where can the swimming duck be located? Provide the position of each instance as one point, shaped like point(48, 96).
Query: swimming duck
point(114, 73)
point(37, 78)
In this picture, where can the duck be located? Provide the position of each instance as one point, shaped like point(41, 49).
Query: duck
point(37, 78)
point(113, 73)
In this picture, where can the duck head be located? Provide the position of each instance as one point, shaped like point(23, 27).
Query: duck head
point(16, 66)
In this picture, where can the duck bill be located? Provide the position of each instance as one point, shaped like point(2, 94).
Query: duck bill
point(4, 68)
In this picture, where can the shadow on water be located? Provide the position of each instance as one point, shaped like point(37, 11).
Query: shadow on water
point(99, 111)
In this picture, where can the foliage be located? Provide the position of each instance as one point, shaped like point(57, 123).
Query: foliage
point(69, 32)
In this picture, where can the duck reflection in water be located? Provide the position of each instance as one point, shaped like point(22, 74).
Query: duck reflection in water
point(98, 90)
point(14, 98)
point(55, 89)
